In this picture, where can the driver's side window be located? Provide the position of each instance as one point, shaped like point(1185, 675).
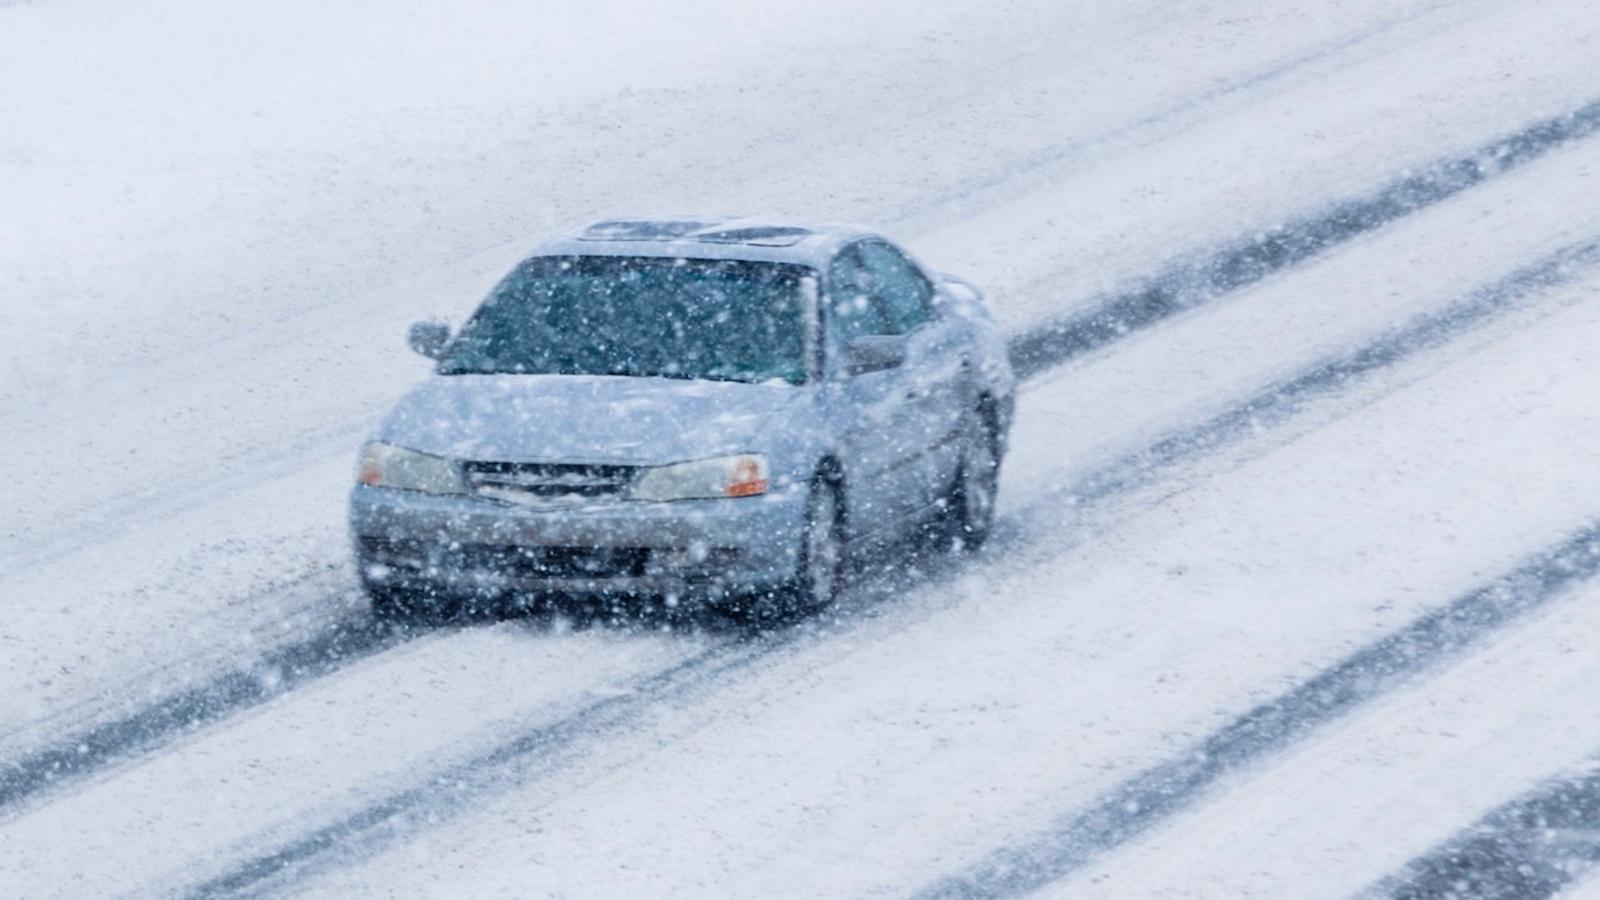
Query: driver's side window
point(907, 297)
point(854, 307)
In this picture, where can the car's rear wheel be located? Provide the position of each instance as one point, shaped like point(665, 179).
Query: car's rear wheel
point(967, 517)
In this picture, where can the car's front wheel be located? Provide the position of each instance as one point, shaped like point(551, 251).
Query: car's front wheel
point(821, 569)
point(819, 563)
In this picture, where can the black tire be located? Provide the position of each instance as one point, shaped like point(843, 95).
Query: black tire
point(810, 590)
point(967, 518)
point(817, 582)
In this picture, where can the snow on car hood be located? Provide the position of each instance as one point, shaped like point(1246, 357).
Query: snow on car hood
point(583, 418)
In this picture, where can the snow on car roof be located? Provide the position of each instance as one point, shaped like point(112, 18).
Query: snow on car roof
point(708, 236)
point(737, 231)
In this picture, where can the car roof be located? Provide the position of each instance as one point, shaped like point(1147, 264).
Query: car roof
point(710, 237)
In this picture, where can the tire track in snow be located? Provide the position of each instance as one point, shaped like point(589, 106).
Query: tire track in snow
point(1534, 846)
point(185, 711)
point(514, 762)
point(544, 751)
point(1178, 286)
point(1185, 284)
point(1155, 794)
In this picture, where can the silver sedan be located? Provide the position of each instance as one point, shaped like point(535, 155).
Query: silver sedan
point(702, 411)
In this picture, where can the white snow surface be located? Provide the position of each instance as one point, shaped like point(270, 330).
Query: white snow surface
point(215, 222)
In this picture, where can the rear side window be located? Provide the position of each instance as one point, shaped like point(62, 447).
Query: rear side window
point(906, 294)
point(854, 308)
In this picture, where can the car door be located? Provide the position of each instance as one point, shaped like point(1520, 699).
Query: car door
point(878, 415)
point(938, 350)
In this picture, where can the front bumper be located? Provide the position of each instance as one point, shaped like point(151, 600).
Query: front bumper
point(469, 546)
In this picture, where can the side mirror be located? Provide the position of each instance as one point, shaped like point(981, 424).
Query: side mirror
point(874, 353)
point(428, 338)
point(961, 288)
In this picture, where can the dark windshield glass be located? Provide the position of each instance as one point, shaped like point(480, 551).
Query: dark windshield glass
point(610, 315)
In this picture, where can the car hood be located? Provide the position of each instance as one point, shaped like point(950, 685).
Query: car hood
point(584, 418)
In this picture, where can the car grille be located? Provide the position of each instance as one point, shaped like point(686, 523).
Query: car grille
point(543, 484)
point(557, 562)
point(509, 560)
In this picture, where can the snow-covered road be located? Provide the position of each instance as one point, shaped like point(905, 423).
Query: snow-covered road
point(1311, 449)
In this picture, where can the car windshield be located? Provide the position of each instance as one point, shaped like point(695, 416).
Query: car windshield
point(721, 320)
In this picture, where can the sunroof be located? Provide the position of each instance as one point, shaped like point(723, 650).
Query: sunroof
point(763, 235)
point(641, 230)
point(694, 230)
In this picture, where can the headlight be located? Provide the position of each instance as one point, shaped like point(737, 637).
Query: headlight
point(744, 475)
point(384, 465)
